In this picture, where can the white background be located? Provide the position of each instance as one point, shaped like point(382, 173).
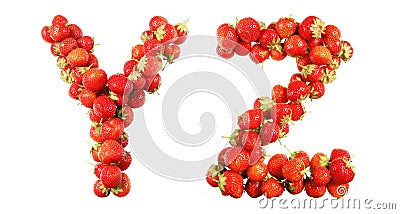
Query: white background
point(43, 132)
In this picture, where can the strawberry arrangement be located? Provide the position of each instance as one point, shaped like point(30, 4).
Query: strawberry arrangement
point(318, 50)
point(111, 99)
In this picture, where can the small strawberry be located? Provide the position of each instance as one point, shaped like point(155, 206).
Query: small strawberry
point(74, 90)
point(297, 110)
point(94, 118)
point(227, 37)
point(302, 155)
point(153, 84)
point(248, 29)
point(295, 188)
point(104, 107)
point(257, 171)
point(54, 48)
point(250, 119)
point(129, 67)
point(125, 162)
point(86, 42)
point(93, 62)
point(272, 188)
point(137, 99)
point(280, 113)
point(296, 77)
point(59, 32)
point(319, 159)
point(279, 94)
point(94, 150)
point(346, 51)
point(212, 175)
point(124, 140)
point(302, 61)
point(242, 48)
point(311, 73)
point(139, 83)
point(111, 152)
point(293, 170)
point(333, 44)
point(337, 190)
point(315, 42)
point(295, 46)
point(171, 52)
point(45, 32)
point(237, 159)
point(137, 52)
point(328, 74)
point(152, 47)
point(321, 176)
point(256, 154)
point(182, 32)
point(225, 53)
point(314, 190)
point(98, 168)
point(117, 83)
point(342, 171)
point(236, 138)
point(317, 89)
point(283, 130)
point(112, 129)
point(297, 91)
point(331, 31)
point(94, 79)
point(231, 183)
point(320, 55)
point(123, 188)
point(126, 114)
point(87, 97)
point(269, 133)
point(258, 54)
point(59, 19)
point(335, 62)
point(75, 31)
point(221, 156)
point(311, 27)
point(277, 53)
point(166, 33)
point(339, 154)
point(269, 38)
point(111, 176)
point(146, 35)
point(285, 27)
point(67, 45)
point(251, 140)
point(100, 190)
point(149, 66)
point(78, 57)
point(253, 188)
point(157, 21)
point(275, 165)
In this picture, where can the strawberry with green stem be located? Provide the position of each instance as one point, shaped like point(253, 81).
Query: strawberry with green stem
point(182, 32)
point(124, 187)
point(231, 183)
point(272, 188)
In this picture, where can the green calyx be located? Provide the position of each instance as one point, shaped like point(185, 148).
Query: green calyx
point(66, 76)
point(181, 27)
point(317, 28)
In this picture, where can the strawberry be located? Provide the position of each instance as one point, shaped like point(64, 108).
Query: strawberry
point(311, 27)
point(117, 83)
point(182, 32)
point(227, 37)
point(123, 188)
point(87, 97)
point(337, 190)
point(295, 46)
point(78, 57)
point(93, 117)
point(212, 175)
point(319, 159)
point(296, 77)
point(237, 159)
point(285, 27)
point(283, 130)
point(257, 171)
point(277, 53)
point(269, 38)
point(156, 22)
point(146, 35)
point(137, 52)
point(295, 188)
point(100, 190)
point(74, 90)
point(92, 62)
point(124, 140)
point(139, 83)
point(236, 138)
point(45, 32)
point(302, 61)
point(98, 168)
point(346, 51)
point(272, 188)
point(320, 55)
point(242, 48)
point(275, 165)
point(250, 119)
point(253, 188)
point(111, 152)
point(256, 154)
point(59, 19)
point(297, 110)
point(225, 53)
point(129, 67)
point(302, 155)
point(125, 162)
point(328, 74)
point(317, 89)
point(248, 29)
point(311, 73)
point(321, 176)
point(331, 31)
point(153, 84)
point(112, 129)
point(111, 176)
point(54, 48)
point(297, 91)
point(152, 47)
point(137, 99)
point(333, 44)
point(269, 133)
point(258, 54)
point(171, 52)
point(86, 42)
point(315, 42)
point(231, 183)
point(94, 79)
point(341, 171)
point(149, 66)
point(77, 74)
point(339, 154)
point(251, 140)
point(75, 31)
point(59, 32)
point(221, 156)
point(126, 114)
point(335, 62)
point(279, 94)
point(67, 45)
point(166, 33)
point(95, 134)
point(293, 170)
point(280, 113)
point(314, 190)
point(104, 107)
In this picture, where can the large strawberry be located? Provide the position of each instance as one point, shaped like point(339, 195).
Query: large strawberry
point(111, 176)
point(257, 171)
point(320, 55)
point(104, 107)
point(272, 188)
point(248, 29)
point(237, 159)
point(275, 165)
point(342, 171)
point(94, 79)
point(297, 91)
point(295, 46)
point(78, 57)
point(253, 188)
point(311, 27)
point(112, 129)
point(285, 27)
point(231, 183)
point(111, 152)
point(227, 37)
point(293, 170)
point(123, 188)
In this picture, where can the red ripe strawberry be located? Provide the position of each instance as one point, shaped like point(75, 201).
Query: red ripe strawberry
point(272, 188)
point(311, 73)
point(346, 51)
point(243, 48)
point(86, 42)
point(269, 133)
point(98, 168)
point(250, 119)
point(283, 130)
point(333, 44)
point(146, 35)
point(156, 22)
point(280, 113)
point(171, 52)
point(237, 159)
point(77, 57)
point(152, 47)
point(182, 32)
point(302, 155)
point(75, 31)
point(248, 29)
point(257, 171)
point(311, 27)
point(231, 183)
point(126, 114)
point(315, 42)
point(342, 171)
point(297, 91)
point(111, 152)
point(92, 62)
point(251, 140)
point(225, 53)
point(212, 175)
point(293, 170)
point(321, 176)
point(297, 110)
point(279, 94)
point(335, 63)
point(137, 52)
point(153, 84)
point(59, 19)
point(256, 154)
point(100, 190)
point(320, 55)
point(258, 54)
point(54, 48)
point(337, 190)
point(129, 67)
point(74, 90)
point(314, 190)
point(319, 159)
point(295, 188)
point(125, 161)
point(104, 107)
point(77, 74)
point(112, 129)
point(124, 140)
point(296, 77)
point(137, 99)
point(59, 32)
point(166, 33)
point(149, 66)
point(331, 31)
point(269, 38)
point(285, 27)
point(123, 188)
point(302, 61)
point(87, 97)
point(339, 154)
point(93, 117)
point(139, 83)
point(275, 165)
point(317, 89)
point(277, 53)
point(117, 83)
point(227, 37)
point(236, 139)
point(295, 46)
point(328, 74)
point(253, 188)
point(94, 151)
point(111, 176)
point(221, 156)
point(45, 32)
point(94, 79)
